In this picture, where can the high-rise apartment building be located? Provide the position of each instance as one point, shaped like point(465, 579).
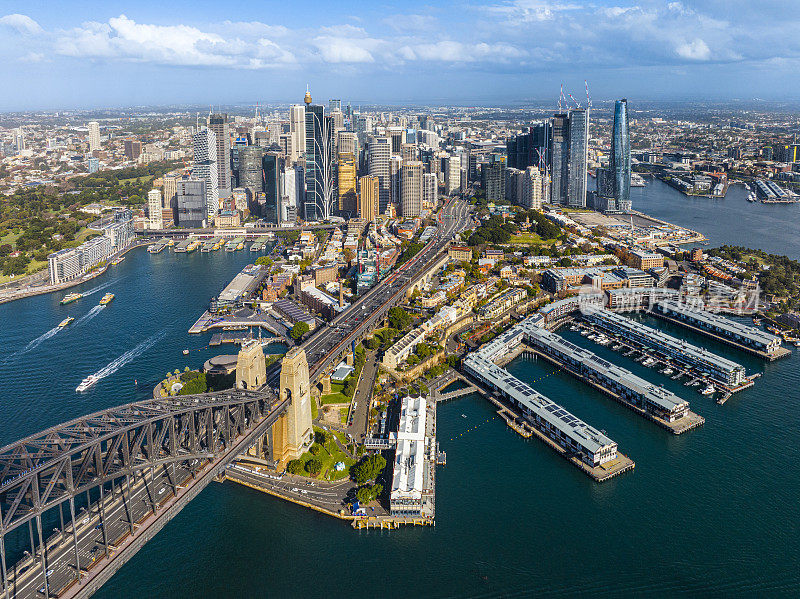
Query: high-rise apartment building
point(347, 183)
point(395, 164)
point(411, 189)
point(297, 131)
point(452, 174)
point(532, 183)
point(94, 135)
point(620, 162)
point(380, 151)
point(559, 158)
point(493, 178)
point(250, 168)
point(92, 165)
point(133, 149)
point(191, 197)
point(218, 123)
point(430, 187)
point(578, 157)
point(204, 166)
point(368, 197)
point(154, 209)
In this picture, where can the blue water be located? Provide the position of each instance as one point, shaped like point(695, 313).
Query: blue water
point(712, 512)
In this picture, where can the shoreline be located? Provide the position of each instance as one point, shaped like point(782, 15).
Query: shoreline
point(69, 284)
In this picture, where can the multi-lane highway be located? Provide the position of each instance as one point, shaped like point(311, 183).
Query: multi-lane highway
point(327, 344)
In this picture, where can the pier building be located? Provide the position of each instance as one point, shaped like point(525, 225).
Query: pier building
point(722, 370)
point(641, 394)
point(719, 325)
point(568, 432)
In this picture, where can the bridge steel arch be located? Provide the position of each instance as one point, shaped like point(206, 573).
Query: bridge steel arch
point(56, 466)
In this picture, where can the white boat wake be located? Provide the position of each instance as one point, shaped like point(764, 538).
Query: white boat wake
point(99, 288)
point(89, 315)
point(39, 340)
point(128, 356)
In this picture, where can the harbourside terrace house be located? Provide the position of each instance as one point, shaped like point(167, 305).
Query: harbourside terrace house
point(501, 303)
point(722, 370)
point(570, 433)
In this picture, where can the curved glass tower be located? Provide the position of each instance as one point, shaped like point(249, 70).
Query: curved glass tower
point(620, 162)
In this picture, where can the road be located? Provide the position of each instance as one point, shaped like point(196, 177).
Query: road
point(325, 346)
point(362, 396)
point(94, 528)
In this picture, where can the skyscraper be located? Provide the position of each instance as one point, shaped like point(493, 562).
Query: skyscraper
point(348, 142)
point(250, 168)
point(154, 209)
point(368, 198)
point(493, 178)
point(94, 136)
point(559, 158)
point(578, 156)
point(380, 151)
point(218, 123)
point(452, 174)
point(320, 169)
point(204, 166)
point(430, 187)
point(620, 162)
point(273, 187)
point(191, 203)
point(297, 131)
point(411, 189)
point(347, 183)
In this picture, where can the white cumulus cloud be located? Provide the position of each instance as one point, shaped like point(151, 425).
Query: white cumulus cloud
point(21, 24)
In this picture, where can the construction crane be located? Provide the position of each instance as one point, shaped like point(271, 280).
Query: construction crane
point(577, 104)
point(588, 98)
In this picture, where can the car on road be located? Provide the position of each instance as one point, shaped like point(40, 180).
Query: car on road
point(85, 520)
point(161, 491)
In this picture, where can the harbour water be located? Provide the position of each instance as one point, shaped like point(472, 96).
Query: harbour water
point(731, 220)
point(712, 512)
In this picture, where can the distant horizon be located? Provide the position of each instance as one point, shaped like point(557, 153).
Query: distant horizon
point(77, 55)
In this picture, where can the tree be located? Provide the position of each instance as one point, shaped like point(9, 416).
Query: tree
point(313, 466)
point(368, 493)
point(299, 329)
point(264, 261)
point(399, 318)
point(349, 255)
point(349, 388)
point(295, 467)
point(368, 468)
point(315, 449)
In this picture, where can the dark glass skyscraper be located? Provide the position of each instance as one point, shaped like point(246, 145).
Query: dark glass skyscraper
point(272, 169)
point(620, 161)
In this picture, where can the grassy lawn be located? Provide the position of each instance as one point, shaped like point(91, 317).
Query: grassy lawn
point(10, 237)
point(530, 238)
point(314, 409)
point(343, 412)
point(329, 455)
point(334, 398)
point(141, 179)
point(81, 237)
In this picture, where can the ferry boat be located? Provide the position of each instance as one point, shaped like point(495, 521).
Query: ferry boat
point(87, 383)
point(118, 260)
point(107, 299)
point(71, 297)
point(66, 321)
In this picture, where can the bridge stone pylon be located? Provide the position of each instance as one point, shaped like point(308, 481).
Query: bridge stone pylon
point(292, 433)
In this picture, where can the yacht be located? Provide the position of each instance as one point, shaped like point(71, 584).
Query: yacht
point(708, 390)
point(667, 371)
point(118, 260)
point(66, 321)
point(584, 333)
point(751, 197)
point(86, 383)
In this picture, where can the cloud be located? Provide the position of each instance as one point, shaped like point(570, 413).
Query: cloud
point(341, 49)
point(21, 24)
point(694, 50)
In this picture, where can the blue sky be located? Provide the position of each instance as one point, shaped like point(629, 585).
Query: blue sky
point(92, 54)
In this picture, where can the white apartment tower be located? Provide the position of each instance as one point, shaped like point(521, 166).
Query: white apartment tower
point(154, 209)
point(380, 151)
point(297, 131)
point(204, 167)
point(218, 123)
point(94, 136)
point(411, 189)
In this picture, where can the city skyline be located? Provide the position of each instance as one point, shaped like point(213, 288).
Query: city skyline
point(495, 51)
